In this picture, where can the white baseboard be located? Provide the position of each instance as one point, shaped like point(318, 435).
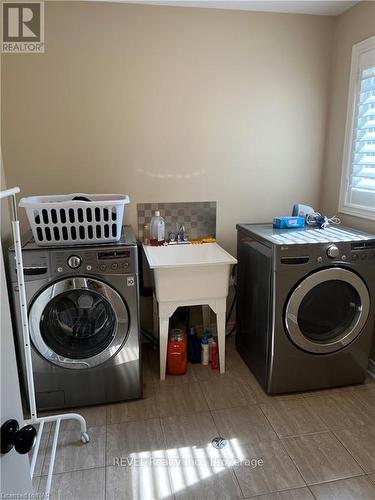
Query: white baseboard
point(371, 367)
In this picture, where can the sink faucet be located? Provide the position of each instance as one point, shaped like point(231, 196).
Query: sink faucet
point(181, 235)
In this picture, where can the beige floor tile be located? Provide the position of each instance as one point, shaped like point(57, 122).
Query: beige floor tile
point(146, 482)
point(189, 431)
point(42, 450)
point(276, 472)
point(321, 457)
point(369, 383)
point(204, 372)
point(205, 481)
point(78, 485)
point(227, 393)
point(355, 488)
point(234, 362)
point(360, 442)
point(132, 438)
point(341, 410)
point(35, 482)
point(262, 397)
point(72, 454)
point(367, 399)
point(180, 400)
point(139, 409)
point(246, 424)
point(95, 416)
point(292, 418)
point(237, 367)
point(372, 477)
point(297, 494)
point(47, 425)
point(188, 378)
point(221, 485)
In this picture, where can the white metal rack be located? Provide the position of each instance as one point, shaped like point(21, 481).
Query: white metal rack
point(27, 350)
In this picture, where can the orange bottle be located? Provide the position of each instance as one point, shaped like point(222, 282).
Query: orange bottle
point(177, 352)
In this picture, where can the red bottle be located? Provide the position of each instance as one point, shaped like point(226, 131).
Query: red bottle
point(214, 355)
point(177, 353)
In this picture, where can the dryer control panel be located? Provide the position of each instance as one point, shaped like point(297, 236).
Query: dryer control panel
point(288, 256)
point(363, 250)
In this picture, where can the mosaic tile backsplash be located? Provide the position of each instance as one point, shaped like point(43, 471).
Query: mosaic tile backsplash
point(198, 217)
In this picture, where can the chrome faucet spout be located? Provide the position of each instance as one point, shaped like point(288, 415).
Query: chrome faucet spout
point(181, 235)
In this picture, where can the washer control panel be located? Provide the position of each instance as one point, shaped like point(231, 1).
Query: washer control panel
point(114, 261)
point(120, 260)
point(74, 262)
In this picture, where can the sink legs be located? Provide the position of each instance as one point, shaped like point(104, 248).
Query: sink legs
point(166, 309)
point(163, 344)
point(220, 321)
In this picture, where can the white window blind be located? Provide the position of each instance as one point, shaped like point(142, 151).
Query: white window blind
point(358, 182)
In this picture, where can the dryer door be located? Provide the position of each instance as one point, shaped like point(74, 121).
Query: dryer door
point(327, 310)
point(78, 323)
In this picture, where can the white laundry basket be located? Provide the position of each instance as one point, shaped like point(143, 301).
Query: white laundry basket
point(76, 218)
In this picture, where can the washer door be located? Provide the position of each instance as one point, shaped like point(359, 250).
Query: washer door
point(327, 310)
point(78, 323)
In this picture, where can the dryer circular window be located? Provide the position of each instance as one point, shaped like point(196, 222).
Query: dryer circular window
point(327, 310)
point(78, 322)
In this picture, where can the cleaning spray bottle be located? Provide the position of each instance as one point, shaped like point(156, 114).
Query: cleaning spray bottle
point(205, 351)
point(214, 355)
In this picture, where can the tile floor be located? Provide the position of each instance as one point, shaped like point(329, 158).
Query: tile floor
point(302, 446)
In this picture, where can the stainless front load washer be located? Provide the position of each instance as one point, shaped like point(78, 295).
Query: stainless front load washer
point(306, 303)
point(83, 307)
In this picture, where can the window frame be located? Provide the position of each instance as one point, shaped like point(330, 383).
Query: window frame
point(344, 206)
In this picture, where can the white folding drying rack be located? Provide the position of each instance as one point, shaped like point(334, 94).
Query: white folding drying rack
point(26, 346)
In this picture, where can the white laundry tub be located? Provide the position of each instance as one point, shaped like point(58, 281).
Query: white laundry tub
point(187, 275)
point(190, 272)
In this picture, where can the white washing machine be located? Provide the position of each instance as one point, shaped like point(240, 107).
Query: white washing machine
point(83, 308)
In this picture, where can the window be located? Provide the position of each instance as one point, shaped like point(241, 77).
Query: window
point(357, 195)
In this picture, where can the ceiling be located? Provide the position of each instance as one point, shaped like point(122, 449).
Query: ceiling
point(317, 7)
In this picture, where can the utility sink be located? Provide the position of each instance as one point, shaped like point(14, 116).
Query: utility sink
point(190, 271)
point(187, 275)
point(186, 255)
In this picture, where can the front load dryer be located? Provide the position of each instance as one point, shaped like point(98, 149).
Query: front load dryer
point(306, 304)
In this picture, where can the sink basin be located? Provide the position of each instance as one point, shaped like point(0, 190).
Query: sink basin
point(190, 272)
point(205, 254)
